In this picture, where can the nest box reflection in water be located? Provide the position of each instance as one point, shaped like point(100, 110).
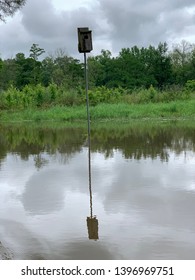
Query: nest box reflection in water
point(92, 225)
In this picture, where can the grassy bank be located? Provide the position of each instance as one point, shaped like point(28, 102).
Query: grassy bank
point(172, 110)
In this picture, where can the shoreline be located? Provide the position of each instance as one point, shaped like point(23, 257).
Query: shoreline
point(175, 110)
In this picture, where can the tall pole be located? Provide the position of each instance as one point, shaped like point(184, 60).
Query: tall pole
point(89, 132)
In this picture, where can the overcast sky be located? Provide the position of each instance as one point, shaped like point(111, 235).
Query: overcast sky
point(115, 24)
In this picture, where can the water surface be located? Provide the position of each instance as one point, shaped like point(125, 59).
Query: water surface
point(143, 191)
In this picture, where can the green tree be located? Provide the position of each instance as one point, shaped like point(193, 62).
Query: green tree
point(36, 51)
point(7, 73)
point(47, 70)
point(157, 65)
point(182, 58)
point(162, 65)
point(28, 71)
point(68, 72)
point(95, 72)
point(192, 65)
point(132, 69)
point(99, 68)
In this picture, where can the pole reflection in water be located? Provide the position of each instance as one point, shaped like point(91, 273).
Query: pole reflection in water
point(92, 222)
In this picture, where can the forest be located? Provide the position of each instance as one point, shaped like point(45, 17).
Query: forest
point(135, 75)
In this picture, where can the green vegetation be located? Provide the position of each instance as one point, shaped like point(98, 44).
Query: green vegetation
point(138, 83)
point(39, 96)
point(132, 68)
point(171, 110)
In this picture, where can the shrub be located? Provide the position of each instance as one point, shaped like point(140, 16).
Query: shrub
point(190, 85)
point(103, 95)
point(53, 93)
point(39, 96)
point(69, 98)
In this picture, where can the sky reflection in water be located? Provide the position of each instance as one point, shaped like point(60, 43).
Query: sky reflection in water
point(145, 206)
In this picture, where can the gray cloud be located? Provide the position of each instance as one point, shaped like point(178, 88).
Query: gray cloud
point(137, 22)
point(115, 24)
point(42, 22)
point(57, 29)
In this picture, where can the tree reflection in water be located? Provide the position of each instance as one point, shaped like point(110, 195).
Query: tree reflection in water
point(135, 141)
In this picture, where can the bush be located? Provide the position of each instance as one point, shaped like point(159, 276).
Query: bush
point(11, 98)
point(52, 93)
point(103, 95)
point(69, 98)
point(190, 85)
point(141, 96)
point(39, 96)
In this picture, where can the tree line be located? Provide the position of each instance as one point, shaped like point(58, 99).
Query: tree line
point(132, 68)
point(142, 67)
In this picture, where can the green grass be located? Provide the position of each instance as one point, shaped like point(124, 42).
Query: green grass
point(121, 111)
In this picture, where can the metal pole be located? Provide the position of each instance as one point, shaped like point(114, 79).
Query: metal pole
point(89, 133)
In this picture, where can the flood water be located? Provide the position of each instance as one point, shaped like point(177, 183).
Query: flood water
point(143, 191)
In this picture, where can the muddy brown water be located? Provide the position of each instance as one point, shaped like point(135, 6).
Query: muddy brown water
point(143, 192)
